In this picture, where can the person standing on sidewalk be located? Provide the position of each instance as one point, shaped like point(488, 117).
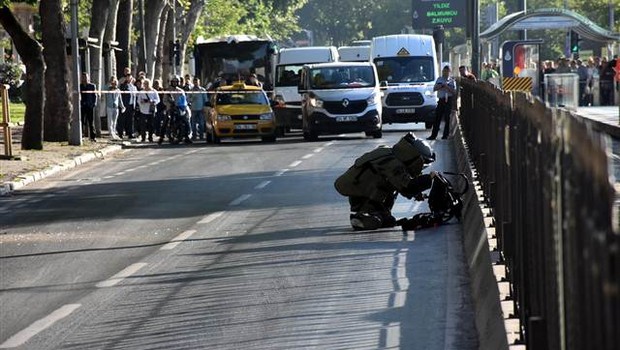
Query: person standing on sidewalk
point(87, 105)
point(198, 101)
point(126, 120)
point(445, 86)
point(148, 99)
point(114, 102)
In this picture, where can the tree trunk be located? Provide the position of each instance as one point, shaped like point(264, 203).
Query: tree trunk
point(167, 63)
point(34, 92)
point(160, 58)
point(109, 54)
point(152, 15)
point(189, 21)
point(99, 18)
point(57, 99)
point(123, 34)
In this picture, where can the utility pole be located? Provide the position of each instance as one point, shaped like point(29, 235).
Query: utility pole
point(75, 138)
point(174, 38)
point(475, 38)
point(143, 32)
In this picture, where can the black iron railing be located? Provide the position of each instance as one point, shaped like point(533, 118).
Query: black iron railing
point(545, 175)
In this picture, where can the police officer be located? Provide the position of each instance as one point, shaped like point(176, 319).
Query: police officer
point(377, 177)
point(445, 87)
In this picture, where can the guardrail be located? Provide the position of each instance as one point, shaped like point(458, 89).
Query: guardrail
point(545, 175)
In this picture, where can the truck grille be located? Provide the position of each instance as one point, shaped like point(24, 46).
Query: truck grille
point(405, 99)
point(337, 107)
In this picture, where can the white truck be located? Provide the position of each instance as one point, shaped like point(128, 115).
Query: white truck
point(407, 67)
point(289, 65)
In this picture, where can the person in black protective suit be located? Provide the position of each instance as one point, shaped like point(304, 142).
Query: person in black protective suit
point(377, 177)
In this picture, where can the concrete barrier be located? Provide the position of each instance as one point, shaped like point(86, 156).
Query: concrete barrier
point(491, 322)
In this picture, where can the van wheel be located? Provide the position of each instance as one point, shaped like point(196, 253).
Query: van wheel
point(310, 136)
point(377, 134)
point(428, 125)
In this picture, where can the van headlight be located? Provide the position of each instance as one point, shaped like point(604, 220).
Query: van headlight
point(315, 102)
point(223, 118)
point(429, 93)
point(266, 116)
point(372, 99)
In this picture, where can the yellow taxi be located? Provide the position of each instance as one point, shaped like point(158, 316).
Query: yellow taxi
point(240, 111)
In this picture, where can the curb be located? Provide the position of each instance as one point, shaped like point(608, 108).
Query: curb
point(8, 187)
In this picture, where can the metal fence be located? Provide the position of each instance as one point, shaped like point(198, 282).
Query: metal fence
point(545, 174)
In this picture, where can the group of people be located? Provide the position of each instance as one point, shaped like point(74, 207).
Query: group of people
point(137, 108)
point(593, 70)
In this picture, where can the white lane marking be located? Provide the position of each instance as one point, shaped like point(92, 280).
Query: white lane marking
point(120, 173)
point(318, 150)
point(178, 240)
point(108, 177)
point(281, 172)
point(329, 143)
point(240, 199)
point(25, 334)
point(207, 219)
point(116, 279)
point(307, 156)
point(262, 185)
point(130, 170)
point(295, 163)
point(392, 340)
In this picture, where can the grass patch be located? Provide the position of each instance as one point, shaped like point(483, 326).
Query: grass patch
point(17, 111)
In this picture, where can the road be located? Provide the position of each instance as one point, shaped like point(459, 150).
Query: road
point(245, 245)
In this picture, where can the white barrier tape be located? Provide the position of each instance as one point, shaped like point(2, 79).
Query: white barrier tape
point(176, 92)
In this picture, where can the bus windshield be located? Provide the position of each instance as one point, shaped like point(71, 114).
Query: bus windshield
point(405, 69)
point(234, 61)
point(342, 77)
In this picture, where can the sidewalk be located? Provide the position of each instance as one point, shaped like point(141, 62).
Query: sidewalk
point(34, 165)
point(605, 119)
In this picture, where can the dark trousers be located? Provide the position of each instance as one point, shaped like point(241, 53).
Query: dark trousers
point(146, 125)
point(125, 124)
point(367, 205)
point(444, 108)
point(88, 121)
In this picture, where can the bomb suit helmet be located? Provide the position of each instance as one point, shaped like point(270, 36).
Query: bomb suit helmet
point(414, 153)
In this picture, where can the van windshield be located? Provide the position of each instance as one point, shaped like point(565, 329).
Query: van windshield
point(405, 69)
point(342, 77)
point(288, 75)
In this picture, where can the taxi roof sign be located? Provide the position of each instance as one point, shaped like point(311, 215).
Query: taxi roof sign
point(402, 52)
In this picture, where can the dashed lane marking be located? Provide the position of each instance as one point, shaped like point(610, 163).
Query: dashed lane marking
point(262, 185)
point(240, 199)
point(307, 156)
point(119, 277)
point(178, 240)
point(295, 163)
point(37, 327)
point(318, 150)
point(280, 173)
point(207, 219)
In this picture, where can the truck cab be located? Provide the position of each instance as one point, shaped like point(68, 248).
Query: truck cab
point(340, 97)
point(407, 67)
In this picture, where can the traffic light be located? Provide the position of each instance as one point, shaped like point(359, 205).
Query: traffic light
point(574, 42)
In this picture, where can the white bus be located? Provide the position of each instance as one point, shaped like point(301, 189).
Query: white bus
point(289, 64)
point(407, 67)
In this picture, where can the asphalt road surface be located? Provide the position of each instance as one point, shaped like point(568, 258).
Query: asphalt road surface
point(244, 245)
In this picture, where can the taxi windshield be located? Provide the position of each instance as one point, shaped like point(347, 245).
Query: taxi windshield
point(242, 98)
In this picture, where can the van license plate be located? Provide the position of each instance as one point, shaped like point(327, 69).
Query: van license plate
point(346, 118)
point(405, 111)
point(245, 126)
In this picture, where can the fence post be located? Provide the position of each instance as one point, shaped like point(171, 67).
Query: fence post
point(6, 122)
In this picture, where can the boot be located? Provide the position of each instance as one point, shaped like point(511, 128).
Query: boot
point(365, 221)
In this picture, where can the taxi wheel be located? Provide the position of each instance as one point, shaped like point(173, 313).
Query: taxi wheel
point(271, 138)
point(428, 125)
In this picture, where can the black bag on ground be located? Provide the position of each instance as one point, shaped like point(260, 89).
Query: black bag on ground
point(444, 202)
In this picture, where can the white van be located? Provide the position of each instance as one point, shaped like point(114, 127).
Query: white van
point(407, 67)
point(340, 97)
point(354, 53)
point(290, 63)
